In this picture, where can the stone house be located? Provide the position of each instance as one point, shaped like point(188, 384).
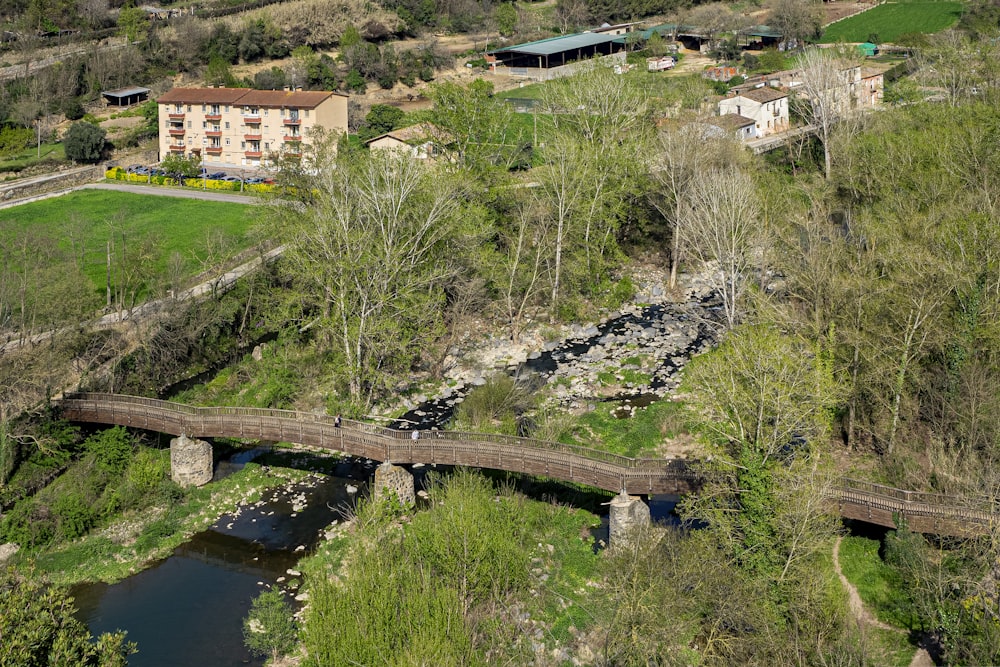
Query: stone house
point(766, 107)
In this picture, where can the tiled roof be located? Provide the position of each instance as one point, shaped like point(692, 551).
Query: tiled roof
point(733, 121)
point(299, 99)
point(763, 95)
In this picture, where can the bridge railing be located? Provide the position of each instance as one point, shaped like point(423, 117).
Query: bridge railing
point(569, 462)
point(166, 407)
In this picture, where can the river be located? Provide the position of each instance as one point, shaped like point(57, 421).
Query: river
point(189, 608)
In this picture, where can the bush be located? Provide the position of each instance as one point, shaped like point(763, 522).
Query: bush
point(112, 448)
point(73, 110)
point(84, 142)
point(269, 629)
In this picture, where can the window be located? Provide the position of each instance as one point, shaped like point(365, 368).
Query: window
point(267, 145)
point(215, 109)
point(307, 113)
point(227, 108)
point(189, 125)
point(243, 145)
point(203, 108)
point(204, 142)
point(227, 141)
point(177, 108)
point(204, 125)
point(282, 112)
point(227, 124)
point(189, 108)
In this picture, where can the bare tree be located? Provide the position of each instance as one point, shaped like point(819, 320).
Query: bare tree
point(825, 97)
point(796, 20)
point(724, 234)
point(682, 155)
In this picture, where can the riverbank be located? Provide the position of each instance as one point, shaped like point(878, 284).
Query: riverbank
point(135, 540)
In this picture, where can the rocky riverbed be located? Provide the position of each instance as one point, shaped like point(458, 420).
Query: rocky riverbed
point(636, 353)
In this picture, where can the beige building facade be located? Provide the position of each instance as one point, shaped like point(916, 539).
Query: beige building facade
point(766, 107)
point(241, 127)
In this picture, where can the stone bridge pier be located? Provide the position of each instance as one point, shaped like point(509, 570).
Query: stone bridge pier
point(393, 481)
point(625, 513)
point(190, 461)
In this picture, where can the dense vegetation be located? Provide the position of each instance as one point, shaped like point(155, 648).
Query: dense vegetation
point(860, 315)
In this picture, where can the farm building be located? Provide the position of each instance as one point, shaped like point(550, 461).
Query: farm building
point(557, 56)
point(125, 97)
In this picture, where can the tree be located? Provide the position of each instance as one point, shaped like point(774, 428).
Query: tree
point(382, 118)
point(683, 156)
point(505, 16)
point(373, 251)
point(825, 97)
point(724, 235)
point(796, 20)
point(482, 125)
point(133, 23)
point(270, 629)
point(84, 142)
point(38, 627)
point(181, 166)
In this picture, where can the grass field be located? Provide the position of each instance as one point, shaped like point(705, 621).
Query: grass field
point(30, 155)
point(80, 225)
point(887, 22)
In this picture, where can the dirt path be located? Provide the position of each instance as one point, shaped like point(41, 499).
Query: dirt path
point(858, 610)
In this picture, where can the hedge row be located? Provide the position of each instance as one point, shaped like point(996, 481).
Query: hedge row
point(119, 174)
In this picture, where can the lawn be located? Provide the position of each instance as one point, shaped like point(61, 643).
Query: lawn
point(639, 435)
point(80, 225)
point(30, 155)
point(887, 22)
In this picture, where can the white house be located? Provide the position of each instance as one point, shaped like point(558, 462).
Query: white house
point(767, 107)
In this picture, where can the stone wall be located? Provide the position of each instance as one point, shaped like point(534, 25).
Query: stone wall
point(190, 461)
point(389, 480)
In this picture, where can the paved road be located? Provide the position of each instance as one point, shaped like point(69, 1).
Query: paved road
point(188, 193)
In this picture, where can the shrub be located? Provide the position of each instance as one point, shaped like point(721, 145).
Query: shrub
point(270, 629)
point(113, 449)
point(73, 110)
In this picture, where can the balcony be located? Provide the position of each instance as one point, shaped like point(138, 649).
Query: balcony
point(213, 133)
point(213, 150)
point(293, 137)
point(292, 121)
point(175, 116)
point(174, 148)
point(253, 154)
point(253, 137)
point(176, 132)
point(213, 116)
point(293, 153)
point(252, 119)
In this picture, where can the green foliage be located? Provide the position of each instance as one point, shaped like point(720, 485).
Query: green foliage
point(351, 37)
point(73, 109)
point(38, 627)
point(84, 142)
point(639, 435)
point(493, 407)
point(381, 118)
point(505, 16)
point(112, 448)
point(15, 139)
point(270, 629)
point(472, 540)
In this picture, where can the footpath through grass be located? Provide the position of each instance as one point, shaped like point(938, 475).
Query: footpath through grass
point(182, 233)
point(886, 22)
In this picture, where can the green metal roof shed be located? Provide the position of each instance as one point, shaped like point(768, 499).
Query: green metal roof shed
point(556, 51)
point(868, 49)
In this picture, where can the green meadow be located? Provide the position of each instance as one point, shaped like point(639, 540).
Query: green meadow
point(180, 235)
point(886, 22)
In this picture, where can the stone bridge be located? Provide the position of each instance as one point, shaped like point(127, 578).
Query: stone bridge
point(852, 499)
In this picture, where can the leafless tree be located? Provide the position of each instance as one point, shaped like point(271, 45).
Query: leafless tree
point(724, 234)
point(825, 97)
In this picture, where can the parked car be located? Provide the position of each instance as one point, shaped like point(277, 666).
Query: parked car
point(254, 180)
point(134, 169)
point(232, 179)
point(216, 176)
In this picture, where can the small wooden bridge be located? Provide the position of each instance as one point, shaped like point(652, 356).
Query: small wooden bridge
point(864, 501)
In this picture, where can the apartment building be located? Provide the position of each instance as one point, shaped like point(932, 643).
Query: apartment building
point(241, 127)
